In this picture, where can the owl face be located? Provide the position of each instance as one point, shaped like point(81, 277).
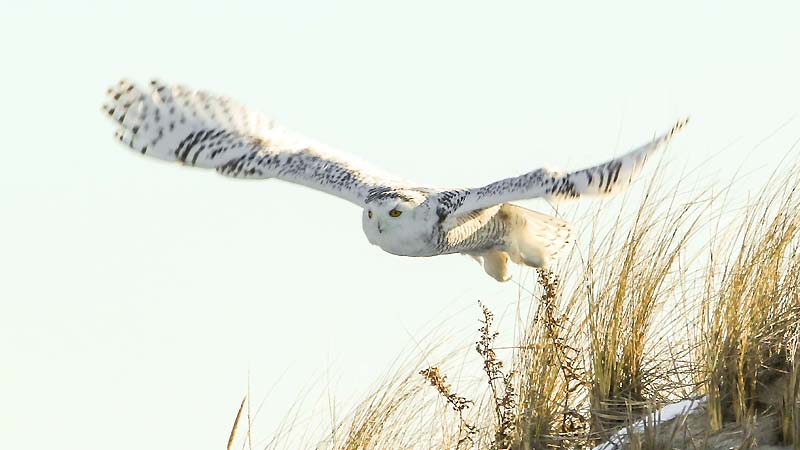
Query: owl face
point(394, 224)
point(388, 216)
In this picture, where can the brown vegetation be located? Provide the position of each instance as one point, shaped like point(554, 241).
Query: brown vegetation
point(658, 311)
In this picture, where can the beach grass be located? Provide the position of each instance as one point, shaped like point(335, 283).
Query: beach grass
point(681, 297)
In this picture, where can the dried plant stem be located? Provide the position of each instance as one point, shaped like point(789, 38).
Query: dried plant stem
point(503, 393)
point(458, 403)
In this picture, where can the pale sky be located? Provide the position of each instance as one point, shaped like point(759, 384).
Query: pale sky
point(135, 295)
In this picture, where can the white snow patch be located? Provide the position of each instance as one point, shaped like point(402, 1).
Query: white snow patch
point(666, 413)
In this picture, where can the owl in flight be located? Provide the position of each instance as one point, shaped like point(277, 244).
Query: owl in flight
point(404, 218)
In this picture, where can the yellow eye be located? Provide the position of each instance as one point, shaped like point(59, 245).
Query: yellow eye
point(369, 214)
point(395, 213)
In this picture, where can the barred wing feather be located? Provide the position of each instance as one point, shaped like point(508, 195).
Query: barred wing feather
point(601, 180)
point(195, 128)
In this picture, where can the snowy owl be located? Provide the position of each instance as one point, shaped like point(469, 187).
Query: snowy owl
point(195, 128)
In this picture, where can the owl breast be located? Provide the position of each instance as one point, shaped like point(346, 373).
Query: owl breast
point(408, 240)
point(404, 244)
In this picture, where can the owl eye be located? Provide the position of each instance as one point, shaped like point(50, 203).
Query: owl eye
point(395, 213)
point(369, 214)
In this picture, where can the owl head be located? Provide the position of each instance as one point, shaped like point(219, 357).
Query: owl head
point(391, 219)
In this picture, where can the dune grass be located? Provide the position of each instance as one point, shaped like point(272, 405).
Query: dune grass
point(680, 299)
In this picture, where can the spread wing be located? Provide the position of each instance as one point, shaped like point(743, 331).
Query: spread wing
point(195, 128)
point(604, 179)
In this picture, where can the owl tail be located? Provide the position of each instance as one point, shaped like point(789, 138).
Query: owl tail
point(535, 239)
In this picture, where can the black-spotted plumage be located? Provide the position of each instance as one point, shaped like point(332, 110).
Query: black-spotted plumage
point(195, 128)
point(175, 123)
point(603, 179)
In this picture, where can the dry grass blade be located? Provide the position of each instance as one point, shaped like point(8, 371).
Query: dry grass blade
point(232, 436)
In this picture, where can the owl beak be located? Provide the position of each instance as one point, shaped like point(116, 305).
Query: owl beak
point(379, 228)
